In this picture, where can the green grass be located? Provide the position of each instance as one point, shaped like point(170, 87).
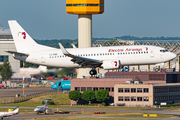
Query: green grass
point(59, 99)
point(170, 105)
point(172, 109)
point(20, 110)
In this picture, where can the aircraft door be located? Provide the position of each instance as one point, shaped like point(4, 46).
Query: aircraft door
point(43, 60)
point(152, 53)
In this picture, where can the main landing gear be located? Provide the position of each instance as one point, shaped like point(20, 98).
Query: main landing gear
point(93, 72)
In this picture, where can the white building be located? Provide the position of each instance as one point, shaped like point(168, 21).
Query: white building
point(7, 44)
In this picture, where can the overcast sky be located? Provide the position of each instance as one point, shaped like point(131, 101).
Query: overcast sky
point(47, 19)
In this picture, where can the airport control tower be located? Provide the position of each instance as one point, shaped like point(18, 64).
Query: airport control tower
point(84, 9)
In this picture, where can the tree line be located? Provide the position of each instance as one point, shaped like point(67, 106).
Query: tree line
point(89, 95)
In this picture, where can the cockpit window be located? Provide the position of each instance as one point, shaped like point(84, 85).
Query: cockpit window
point(164, 50)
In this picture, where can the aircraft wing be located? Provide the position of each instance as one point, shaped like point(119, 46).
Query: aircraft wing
point(81, 60)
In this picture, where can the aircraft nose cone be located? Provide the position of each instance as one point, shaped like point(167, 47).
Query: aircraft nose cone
point(173, 55)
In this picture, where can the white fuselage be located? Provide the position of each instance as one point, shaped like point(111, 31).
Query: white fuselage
point(128, 55)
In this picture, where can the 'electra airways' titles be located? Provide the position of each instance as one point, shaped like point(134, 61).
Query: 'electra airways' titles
point(112, 57)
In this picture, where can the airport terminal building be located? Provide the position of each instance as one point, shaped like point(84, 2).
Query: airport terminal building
point(146, 94)
point(7, 44)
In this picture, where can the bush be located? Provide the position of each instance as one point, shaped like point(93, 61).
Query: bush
point(50, 101)
point(103, 104)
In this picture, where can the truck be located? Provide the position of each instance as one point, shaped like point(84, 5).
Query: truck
point(62, 85)
point(1, 86)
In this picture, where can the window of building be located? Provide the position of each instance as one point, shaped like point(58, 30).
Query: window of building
point(133, 98)
point(146, 90)
point(146, 98)
point(95, 88)
point(174, 97)
point(139, 90)
point(89, 88)
point(93, 4)
point(133, 90)
point(101, 88)
point(112, 89)
point(108, 88)
point(174, 89)
point(127, 90)
point(68, 4)
point(79, 4)
point(120, 98)
point(83, 89)
point(161, 98)
point(161, 90)
point(120, 90)
point(77, 88)
point(127, 99)
point(139, 98)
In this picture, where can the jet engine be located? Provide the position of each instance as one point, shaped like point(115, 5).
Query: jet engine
point(111, 64)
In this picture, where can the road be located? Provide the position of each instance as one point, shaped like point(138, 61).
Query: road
point(28, 91)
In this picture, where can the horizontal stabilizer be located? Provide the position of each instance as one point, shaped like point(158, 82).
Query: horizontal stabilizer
point(15, 52)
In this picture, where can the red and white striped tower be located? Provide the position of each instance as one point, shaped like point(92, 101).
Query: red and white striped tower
point(23, 79)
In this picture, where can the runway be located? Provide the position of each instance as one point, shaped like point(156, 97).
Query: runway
point(28, 91)
point(151, 111)
point(34, 116)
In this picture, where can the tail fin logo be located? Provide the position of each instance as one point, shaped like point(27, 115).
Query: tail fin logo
point(23, 34)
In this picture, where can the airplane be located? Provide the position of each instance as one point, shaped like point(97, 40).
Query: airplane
point(108, 58)
point(32, 71)
point(41, 109)
point(8, 114)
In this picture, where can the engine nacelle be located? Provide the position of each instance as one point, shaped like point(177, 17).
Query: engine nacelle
point(111, 64)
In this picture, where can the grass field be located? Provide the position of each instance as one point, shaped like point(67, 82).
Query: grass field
point(62, 101)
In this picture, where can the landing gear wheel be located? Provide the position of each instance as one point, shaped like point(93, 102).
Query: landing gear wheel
point(93, 72)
